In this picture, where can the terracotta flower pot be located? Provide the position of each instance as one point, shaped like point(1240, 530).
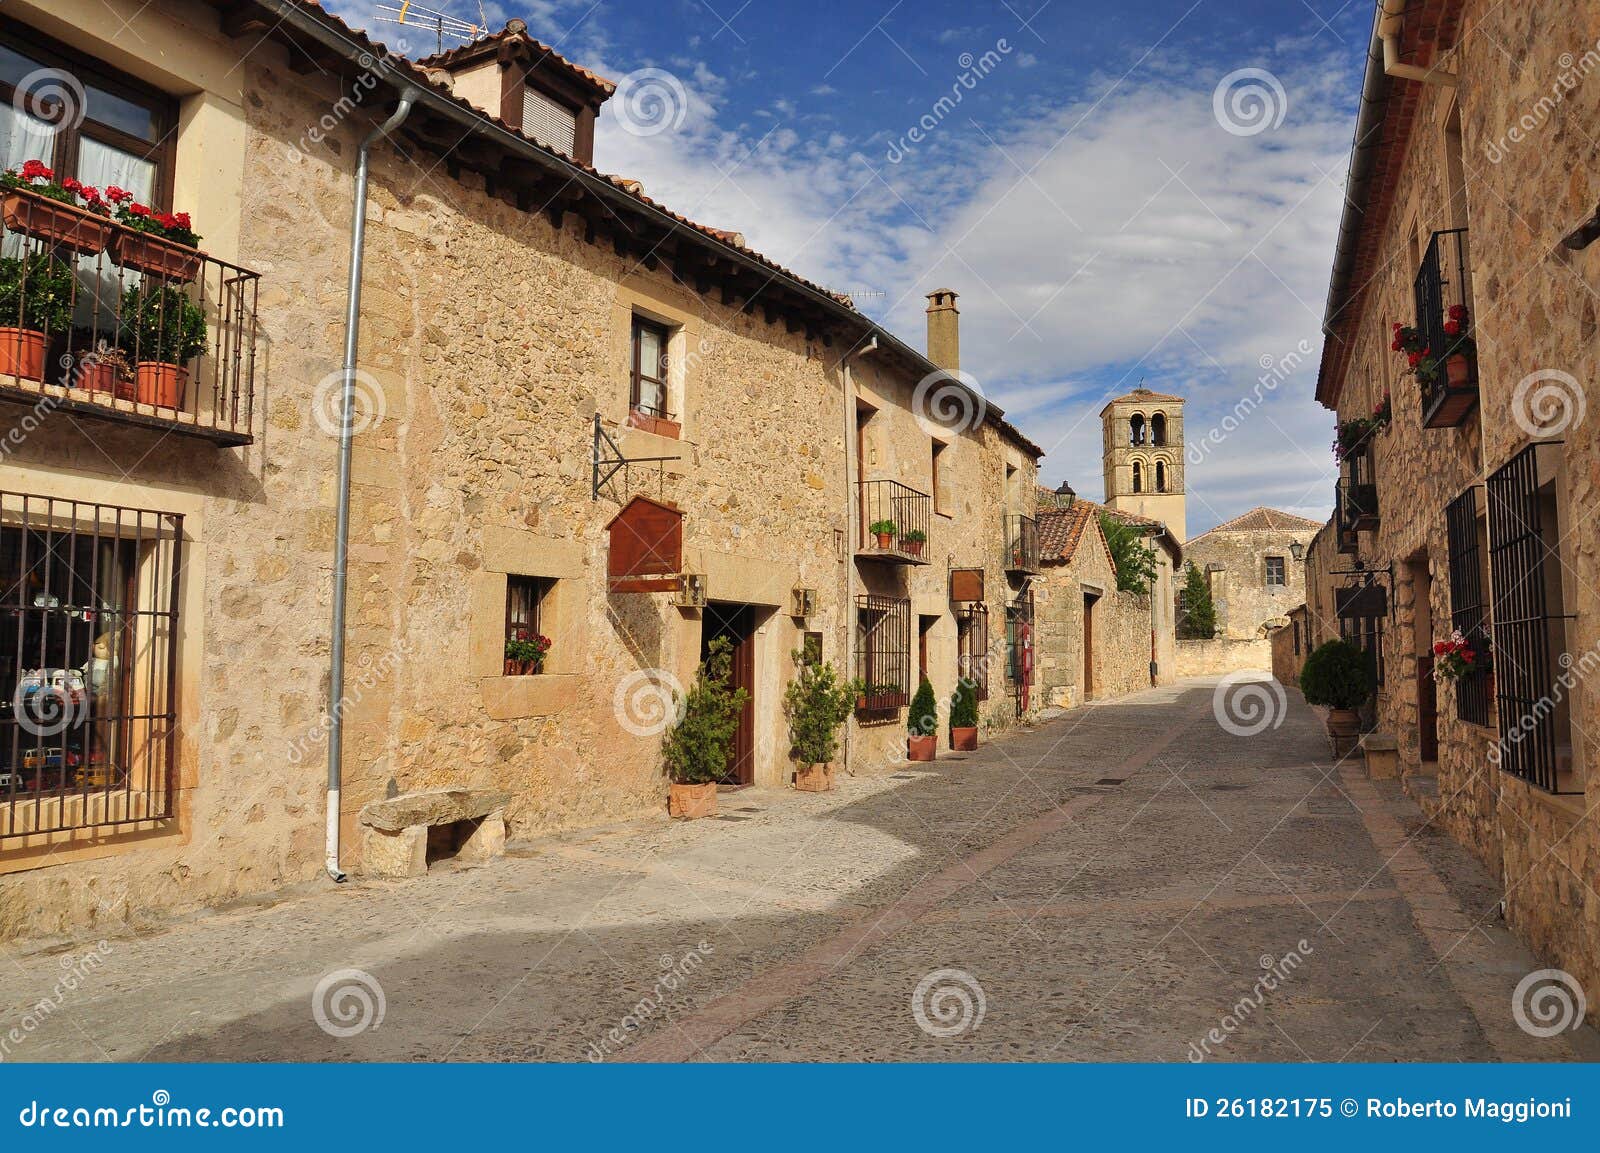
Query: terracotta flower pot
point(912, 547)
point(22, 353)
point(1344, 727)
point(691, 801)
point(814, 778)
point(885, 539)
point(512, 668)
point(963, 739)
point(1458, 370)
point(155, 255)
point(65, 225)
point(922, 748)
point(92, 377)
point(161, 384)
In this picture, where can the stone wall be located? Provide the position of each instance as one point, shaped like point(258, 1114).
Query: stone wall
point(1216, 657)
point(1518, 198)
point(1236, 564)
point(1120, 629)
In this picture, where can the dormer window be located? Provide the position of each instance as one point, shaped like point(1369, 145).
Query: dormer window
point(550, 123)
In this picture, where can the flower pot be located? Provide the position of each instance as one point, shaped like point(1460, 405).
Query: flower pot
point(155, 255)
point(922, 748)
point(814, 778)
point(691, 801)
point(963, 739)
point(911, 547)
point(885, 539)
point(54, 221)
point(1344, 726)
point(1458, 370)
point(161, 384)
point(512, 668)
point(22, 353)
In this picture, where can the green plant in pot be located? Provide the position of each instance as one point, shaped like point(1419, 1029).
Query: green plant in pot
point(1338, 677)
point(964, 716)
point(696, 750)
point(35, 304)
point(884, 530)
point(912, 541)
point(816, 703)
point(922, 724)
point(162, 330)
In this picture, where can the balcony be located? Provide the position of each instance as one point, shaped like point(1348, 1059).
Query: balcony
point(1358, 493)
point(1349, 541)
point(1451, 393)
point(894, 523)
point(107, 323)
point(1022, 545)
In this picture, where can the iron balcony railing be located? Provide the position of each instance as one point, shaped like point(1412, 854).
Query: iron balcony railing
point(112, 322)
point(1443, 301)
point(894, 522)
point(1022, 544)
point(1349, 542)
point(883, 653)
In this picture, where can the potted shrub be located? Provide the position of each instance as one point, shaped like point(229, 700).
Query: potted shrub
point(816, 702)
point(912, 541)
point(160, 243)
point(106, 370)
point(70, 214)
point(922, 724)
point(1338, 677)
point(884, 530)
point(35, 303)
point(964, 716)
point(696, 750)
point(525, 652)
point(162, 330)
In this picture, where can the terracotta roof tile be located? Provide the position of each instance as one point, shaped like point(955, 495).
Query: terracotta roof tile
point(1264, 519)
point(515, 32)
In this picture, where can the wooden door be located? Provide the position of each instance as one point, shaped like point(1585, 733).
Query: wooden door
point(1427, 710)
point(737, 624)
point(1088, 645)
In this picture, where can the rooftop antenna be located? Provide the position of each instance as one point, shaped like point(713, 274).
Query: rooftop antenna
point(443, 25)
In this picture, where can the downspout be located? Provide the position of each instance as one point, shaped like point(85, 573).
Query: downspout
point(341, 539)
point(851, 516)
point(1392, 16)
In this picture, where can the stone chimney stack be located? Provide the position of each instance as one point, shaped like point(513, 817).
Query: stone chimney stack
point(944, 329)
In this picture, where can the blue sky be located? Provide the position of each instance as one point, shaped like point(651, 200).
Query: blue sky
point(1144, 190)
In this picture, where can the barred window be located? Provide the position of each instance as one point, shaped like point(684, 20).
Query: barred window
point(88, 652)
point(1468, 602)
point(1277, 575)
point(972, 648)
point(883, 652)
point(1019, 632)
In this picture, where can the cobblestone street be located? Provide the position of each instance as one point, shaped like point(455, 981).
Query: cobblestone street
point(1111, 885)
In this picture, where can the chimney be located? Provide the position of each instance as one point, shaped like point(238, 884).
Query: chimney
point(944, 329)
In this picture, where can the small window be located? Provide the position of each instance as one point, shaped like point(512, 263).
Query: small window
point(1158, 429)
point(550, 123)
point(883, 652)
point(649, 391)
point(527, 645)
point(1296, 638)
point(1138, 477)
point(1161, 476)
point(972, 648)
point(938, 476)
point(1277, 575)
point(1136, 429)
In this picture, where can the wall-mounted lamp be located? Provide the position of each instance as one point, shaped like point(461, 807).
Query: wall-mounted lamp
point(1297, 550)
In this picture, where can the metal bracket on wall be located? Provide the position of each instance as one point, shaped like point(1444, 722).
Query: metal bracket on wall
point(607, 459)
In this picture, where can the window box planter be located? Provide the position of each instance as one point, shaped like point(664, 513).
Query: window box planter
point(963, 738)
point(58, 223)
point(22, 353)
point(160, 384)
point(922, 748)
point(690, 801)
point(156, 255)
point(658, 425)
point(814, 778)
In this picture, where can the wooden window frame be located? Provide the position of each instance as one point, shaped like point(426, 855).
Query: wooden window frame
point(936, 471)
point(162, 152)
point(1283, 572)
point(637, 376)
point(526, 601)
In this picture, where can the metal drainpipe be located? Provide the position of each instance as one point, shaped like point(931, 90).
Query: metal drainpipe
point(852, 515)
point(341, 540)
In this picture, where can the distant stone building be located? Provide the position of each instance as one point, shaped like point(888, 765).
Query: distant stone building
point(1143, 458)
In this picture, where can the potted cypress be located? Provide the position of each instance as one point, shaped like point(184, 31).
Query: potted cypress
point(922, 724)
point(816, 702)
point(964, 716)
point(162, 330)
point(696, 750)
point(1338, 677)
point(35, 304)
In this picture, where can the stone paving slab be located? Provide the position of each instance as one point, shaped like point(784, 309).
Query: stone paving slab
point(1090, 921)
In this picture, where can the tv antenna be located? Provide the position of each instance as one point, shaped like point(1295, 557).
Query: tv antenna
point(442, 24)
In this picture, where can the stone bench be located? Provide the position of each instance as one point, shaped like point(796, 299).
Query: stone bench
point(1382, 753)
point(401, 835)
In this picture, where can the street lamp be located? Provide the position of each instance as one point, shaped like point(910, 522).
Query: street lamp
point(1297, 550)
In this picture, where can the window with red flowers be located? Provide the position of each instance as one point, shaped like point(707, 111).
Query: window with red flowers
point(528, 646)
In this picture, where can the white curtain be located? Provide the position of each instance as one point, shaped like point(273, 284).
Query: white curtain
point(23, 138)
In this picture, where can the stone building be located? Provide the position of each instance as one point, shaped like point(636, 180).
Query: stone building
point(1143, 459)
point(580, 416)
point(1471, 212)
